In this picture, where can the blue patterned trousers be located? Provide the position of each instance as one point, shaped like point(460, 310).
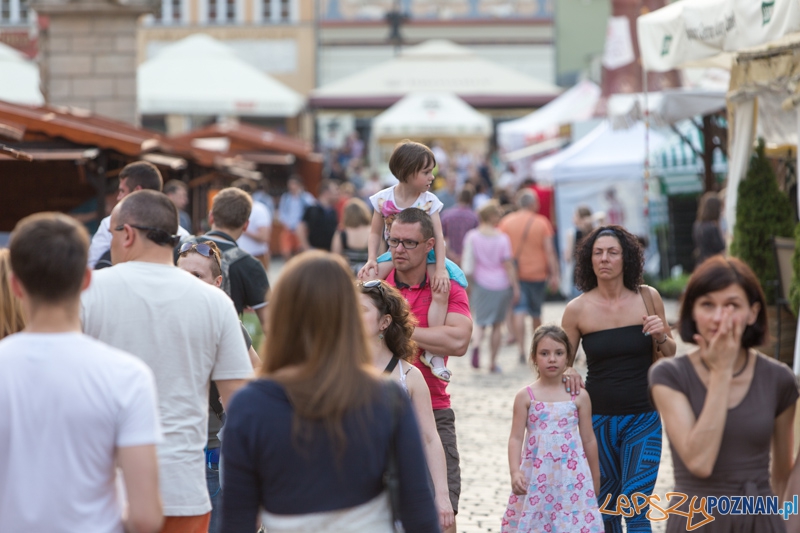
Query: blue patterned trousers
point(630, 452)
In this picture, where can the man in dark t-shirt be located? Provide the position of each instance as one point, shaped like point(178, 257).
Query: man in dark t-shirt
point(248, 282)
point(320, 220)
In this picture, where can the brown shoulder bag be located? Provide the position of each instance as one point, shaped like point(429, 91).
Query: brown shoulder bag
point(647, 296)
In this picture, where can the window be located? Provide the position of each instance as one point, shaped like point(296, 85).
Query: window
point(277, 11)
point(14, 12)
point(230, 10)
point(171, 12)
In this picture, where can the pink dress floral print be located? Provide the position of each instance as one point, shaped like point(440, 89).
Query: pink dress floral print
point(560, 496)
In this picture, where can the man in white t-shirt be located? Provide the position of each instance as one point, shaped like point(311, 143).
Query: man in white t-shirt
point(136, 176)
point(256, 236)
point(186, 331)
point(72, 408)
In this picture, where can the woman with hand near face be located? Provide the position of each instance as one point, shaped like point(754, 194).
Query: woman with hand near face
point(726, 406)
point(618, 333)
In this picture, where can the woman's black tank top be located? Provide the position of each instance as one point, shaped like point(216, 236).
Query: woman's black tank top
point(618, 361)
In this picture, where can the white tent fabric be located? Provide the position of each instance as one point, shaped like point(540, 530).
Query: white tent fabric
point(693, 30)
point(576, 104)
point(431, 114)
point(666, 107)
point(603, 152)
point(604, 171)
point(19, 78)
point(436, 65)
point(201, 76)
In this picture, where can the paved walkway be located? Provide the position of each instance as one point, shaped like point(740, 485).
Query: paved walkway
point(483, 406)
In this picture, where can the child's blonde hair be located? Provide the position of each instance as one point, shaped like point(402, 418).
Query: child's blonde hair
point(408, 158)
point(554, 332)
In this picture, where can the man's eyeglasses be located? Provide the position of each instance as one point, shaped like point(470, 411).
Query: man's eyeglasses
point(157, 235)
point(407, 244)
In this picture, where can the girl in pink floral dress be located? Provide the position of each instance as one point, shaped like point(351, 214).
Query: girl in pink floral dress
point(556, 476)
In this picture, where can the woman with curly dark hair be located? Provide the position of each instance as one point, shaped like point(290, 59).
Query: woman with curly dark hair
point(620, 325)
point(388, 323)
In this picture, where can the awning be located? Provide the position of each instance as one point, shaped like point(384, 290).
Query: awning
point(694, 30)
point(576, 104)
point(51, 155)
point(20, 78)
point(535, 149)
point(666, 107)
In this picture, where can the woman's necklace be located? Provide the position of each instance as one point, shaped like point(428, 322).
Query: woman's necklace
point(735, 374)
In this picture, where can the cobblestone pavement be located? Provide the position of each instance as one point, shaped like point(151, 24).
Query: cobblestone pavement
point(483, 406)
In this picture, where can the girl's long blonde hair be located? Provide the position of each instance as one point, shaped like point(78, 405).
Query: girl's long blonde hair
point(315, 328)
point(11, 317)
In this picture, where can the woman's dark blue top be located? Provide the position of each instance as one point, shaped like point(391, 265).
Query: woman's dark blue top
point(263, 465)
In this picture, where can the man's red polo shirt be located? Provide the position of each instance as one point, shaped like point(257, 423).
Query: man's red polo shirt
point(419, 299)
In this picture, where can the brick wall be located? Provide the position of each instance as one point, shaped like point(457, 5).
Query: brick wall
point(88, 60)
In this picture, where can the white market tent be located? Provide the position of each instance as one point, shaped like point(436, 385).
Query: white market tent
point(199, 75)
point(710, 32)
point(436, 65)
point(21, 85)
point(666, 107)
point(429, 115)
point(576, 104)
point(603, 170)
point(691, 31)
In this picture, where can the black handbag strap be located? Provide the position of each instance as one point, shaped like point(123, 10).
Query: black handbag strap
point(390, 367)
point(391, 477)
point(524, 238)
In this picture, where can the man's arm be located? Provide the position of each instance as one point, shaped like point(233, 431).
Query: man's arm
point(450, 339)
point(139, 466)
point(552, 263)
point(101, 242)
point(227, 387)
point(302, 235)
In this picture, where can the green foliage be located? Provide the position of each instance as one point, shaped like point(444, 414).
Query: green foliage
point(794, 290)
point(762, 212)
point(672, 287)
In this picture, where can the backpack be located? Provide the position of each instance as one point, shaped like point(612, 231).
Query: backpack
point(229, 257)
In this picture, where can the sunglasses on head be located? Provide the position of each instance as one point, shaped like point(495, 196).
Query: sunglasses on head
point(373, 284)
point(201, 248)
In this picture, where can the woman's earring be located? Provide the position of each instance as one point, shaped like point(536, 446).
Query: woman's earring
point(380, 336)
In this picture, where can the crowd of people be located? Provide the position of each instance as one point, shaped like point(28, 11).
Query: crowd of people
point(134, 399)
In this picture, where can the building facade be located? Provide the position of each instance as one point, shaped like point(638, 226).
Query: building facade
point(276, 36)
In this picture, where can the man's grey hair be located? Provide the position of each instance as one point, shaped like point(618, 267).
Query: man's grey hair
point(526, 198)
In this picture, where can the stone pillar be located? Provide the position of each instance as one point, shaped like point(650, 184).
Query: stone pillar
point(87, 55)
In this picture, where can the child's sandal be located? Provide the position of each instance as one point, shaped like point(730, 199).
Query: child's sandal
point(440, 372)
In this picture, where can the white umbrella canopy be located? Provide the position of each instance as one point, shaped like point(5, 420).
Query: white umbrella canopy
point(690, 31)
point(436, 65)
point(19, 78)
point(433, 115)
point(201, 76)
